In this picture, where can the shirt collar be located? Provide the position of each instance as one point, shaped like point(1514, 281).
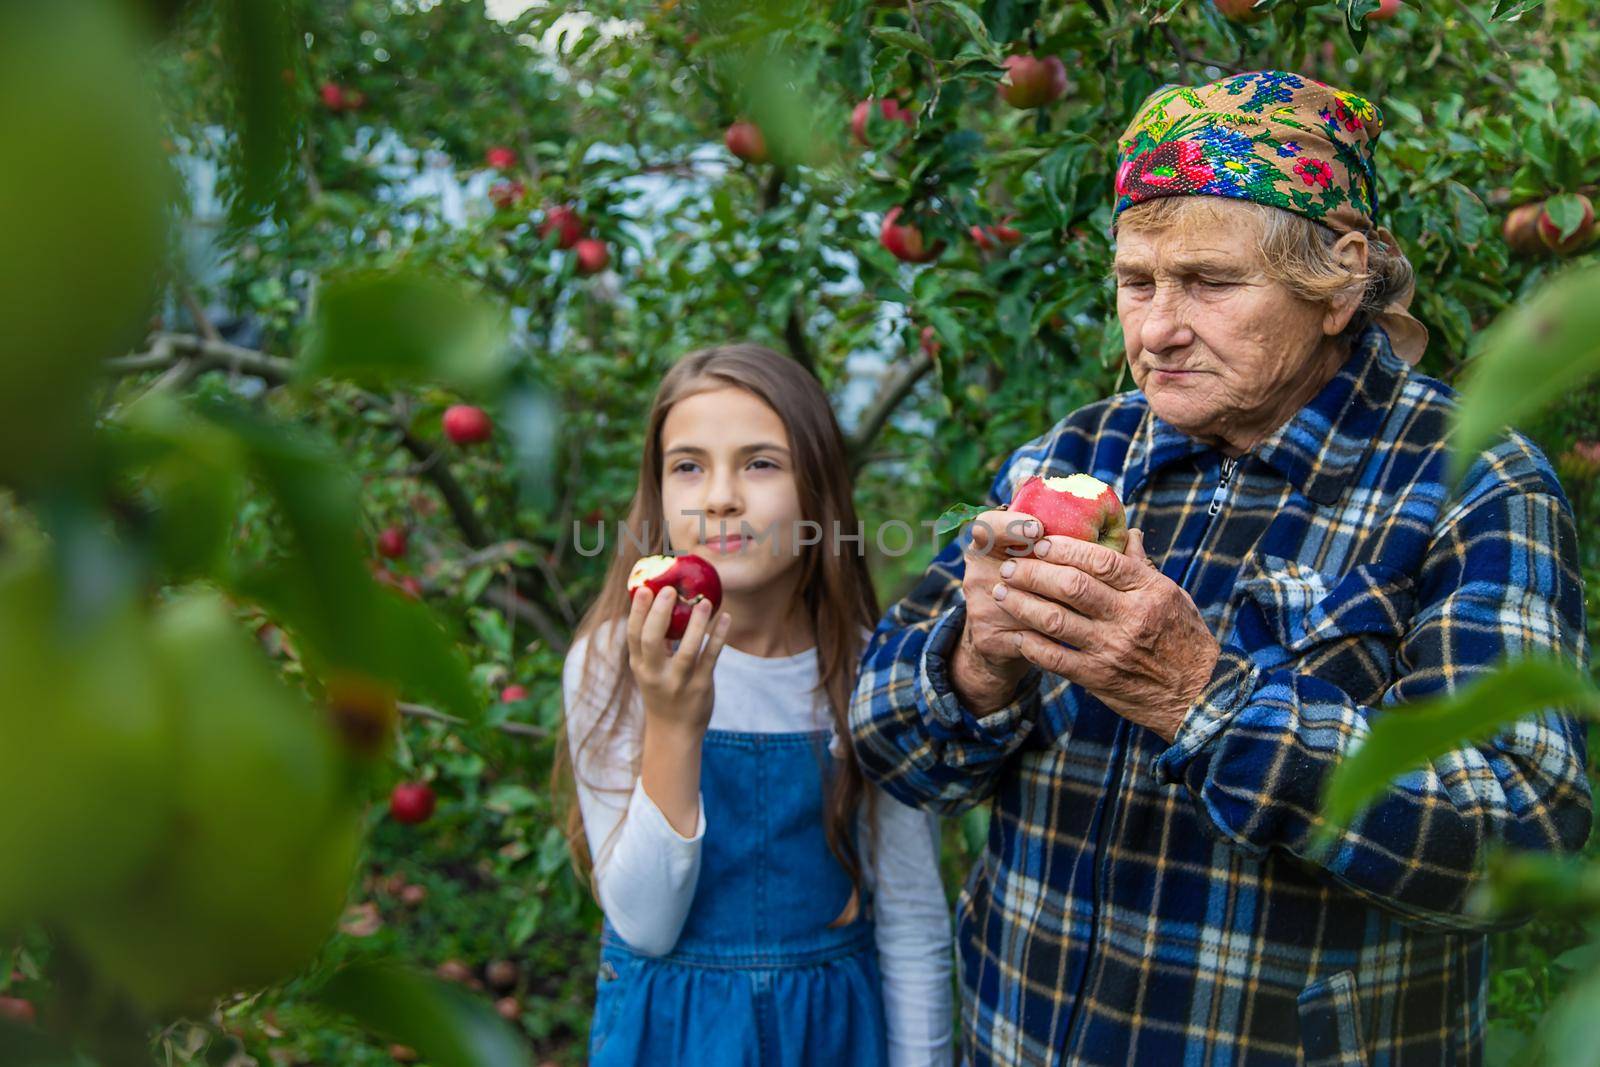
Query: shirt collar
point(1319, 448)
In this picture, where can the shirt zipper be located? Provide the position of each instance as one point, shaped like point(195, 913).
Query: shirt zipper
point(1119, 754)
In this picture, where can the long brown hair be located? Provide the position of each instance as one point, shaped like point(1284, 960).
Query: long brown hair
point(835, 586)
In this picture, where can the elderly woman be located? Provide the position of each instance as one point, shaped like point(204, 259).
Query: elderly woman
point(1153, 728)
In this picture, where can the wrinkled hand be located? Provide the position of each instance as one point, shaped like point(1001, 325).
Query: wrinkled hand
point(1139, 643)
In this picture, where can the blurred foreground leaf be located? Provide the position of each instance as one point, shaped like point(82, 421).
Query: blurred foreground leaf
point(380, 327)
point(1405, 738)
point(1533, 354)
point(444, 1022)
point(84, 182)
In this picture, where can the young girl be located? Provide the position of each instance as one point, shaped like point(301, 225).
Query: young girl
point(762, 905)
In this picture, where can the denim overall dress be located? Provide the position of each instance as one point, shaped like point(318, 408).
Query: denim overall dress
point(757, 978)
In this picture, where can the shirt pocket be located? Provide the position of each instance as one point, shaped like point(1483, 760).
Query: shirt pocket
point(1345, 629)
point(1330, 1022)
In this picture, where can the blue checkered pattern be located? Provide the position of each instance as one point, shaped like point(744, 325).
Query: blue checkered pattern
point(1140, 903)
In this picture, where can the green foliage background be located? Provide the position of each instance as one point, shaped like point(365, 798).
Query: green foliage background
point(619, 109)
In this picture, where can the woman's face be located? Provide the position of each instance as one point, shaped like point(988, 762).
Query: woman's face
point(1220, 351)
point(727, 471)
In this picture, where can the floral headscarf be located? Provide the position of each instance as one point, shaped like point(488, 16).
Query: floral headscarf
point(1277, 138)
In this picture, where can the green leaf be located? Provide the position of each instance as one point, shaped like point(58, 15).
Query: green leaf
point(1532, 355)
point(378, 327)
point(904, 39)
point(970, 22)
point(445, 1023)
point(1508, 10)
point(259, 43)
point(955, 515)
point(1405, 738)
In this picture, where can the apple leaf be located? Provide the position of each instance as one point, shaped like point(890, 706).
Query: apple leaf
point(1511, 10)
point(1405, 738)
point(378, 326)
point(1566, 211)
point(444, 1022)
point(955, 515)
point(1534, 353)
point(260, 43)
point(912, 42)
point(973, 24)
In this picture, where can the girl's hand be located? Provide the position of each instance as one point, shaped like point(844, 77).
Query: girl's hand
point(674, 684)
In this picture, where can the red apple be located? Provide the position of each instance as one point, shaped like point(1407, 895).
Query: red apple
point(692, 576)
point(1521, 229)
point(500, 157)
point(411, 802)
point(411, 587)
point(567, 224)
point(466, 425)
point(502, 974)
point(1550, 233)
point(392, 542)
point(332, 95)
point(509, 1008)
point(18, 1010)
point(513, 693)
point(1078, 505)
point(905, 242)
point(991, 237)
point(506, 194)
point(1032, 81)
point(1387, 9)
point(413, 895)
point(1240, 10)
point(593, 256)
point(889, 109)
point(745, 141)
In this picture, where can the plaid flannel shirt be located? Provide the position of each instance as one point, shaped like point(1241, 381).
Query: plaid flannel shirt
point(1146, 903)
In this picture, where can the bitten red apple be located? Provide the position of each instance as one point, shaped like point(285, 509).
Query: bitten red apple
point(1033, 81)
point(1550, 233)
point(392, 542)
point(500, 157)
point(1078, 505)
point(593, 255)
point(411, 802)
point(692, 576)
point(567, 224)
point(889, 109)
point(905, 242)
point(745, 141)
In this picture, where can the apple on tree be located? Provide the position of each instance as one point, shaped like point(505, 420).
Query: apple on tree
point(1240, 10)
point(505, 195)
point(392, 542)
point(500, 157)
point(1387, 10)
point(466, 425)
point(993, 236)
point(513, 693)
point(1521, 229)
point(1033, 81)
point(904, 241)
point(744, 140)
point(411, 802)
point(592, 254)
point(693, 577)
point(891, 110)
point(567, 224)
point(1550, 229)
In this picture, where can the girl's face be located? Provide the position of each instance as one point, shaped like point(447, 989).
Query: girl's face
point(727, 471)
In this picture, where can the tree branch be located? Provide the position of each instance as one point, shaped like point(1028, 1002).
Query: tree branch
point(897, 385)
point(518, 729)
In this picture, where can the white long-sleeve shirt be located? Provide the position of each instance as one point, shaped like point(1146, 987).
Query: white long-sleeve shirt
point(646, 874)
